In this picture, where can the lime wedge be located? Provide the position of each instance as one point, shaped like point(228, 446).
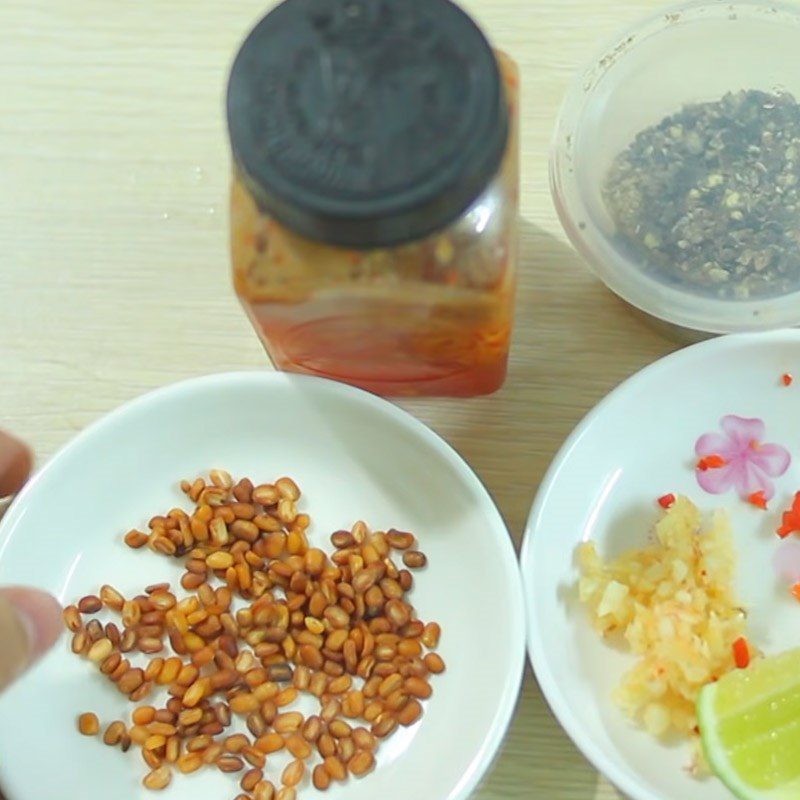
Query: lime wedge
point(750, 726)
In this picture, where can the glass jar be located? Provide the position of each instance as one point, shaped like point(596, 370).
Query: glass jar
point(375, 194)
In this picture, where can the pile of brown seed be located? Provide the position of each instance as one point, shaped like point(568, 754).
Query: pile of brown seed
point(338, 628)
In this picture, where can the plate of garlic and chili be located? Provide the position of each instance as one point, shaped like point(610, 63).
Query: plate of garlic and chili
point(662, 557)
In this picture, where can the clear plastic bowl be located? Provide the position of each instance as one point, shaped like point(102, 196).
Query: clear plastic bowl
point(695, 52)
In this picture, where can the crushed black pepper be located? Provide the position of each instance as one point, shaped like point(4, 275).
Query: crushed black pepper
point(709, 199)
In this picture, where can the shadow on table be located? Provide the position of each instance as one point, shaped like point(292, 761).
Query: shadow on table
point(573, 342)
point(538, 761)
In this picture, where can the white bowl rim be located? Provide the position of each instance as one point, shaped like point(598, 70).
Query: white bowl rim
point(546, 679)
point(495, 736)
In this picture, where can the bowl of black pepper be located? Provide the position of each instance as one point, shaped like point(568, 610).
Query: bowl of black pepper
point(675, 166)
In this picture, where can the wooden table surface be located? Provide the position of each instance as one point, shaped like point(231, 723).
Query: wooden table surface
point(114, 279)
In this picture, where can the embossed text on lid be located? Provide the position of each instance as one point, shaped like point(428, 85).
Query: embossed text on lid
point(366, 122)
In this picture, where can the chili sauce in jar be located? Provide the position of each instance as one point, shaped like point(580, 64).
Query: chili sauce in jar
point(374, 200)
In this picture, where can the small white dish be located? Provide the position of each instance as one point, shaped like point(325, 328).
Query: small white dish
point(636, 445)
point(354, 456)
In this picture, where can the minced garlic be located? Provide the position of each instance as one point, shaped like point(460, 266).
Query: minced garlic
point(673, 603)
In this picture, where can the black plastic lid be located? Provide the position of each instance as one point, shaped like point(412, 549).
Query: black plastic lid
point(366, 123)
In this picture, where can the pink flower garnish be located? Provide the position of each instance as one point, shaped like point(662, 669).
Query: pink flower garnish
point(749, 464)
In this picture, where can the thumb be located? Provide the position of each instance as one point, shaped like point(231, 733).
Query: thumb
point(15, 464)
point(30, 623)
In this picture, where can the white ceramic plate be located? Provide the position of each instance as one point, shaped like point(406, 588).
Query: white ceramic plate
point(637, 445)
point(355, 457)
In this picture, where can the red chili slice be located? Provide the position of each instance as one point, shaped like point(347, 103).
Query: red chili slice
point(665, 501)
point(711, 462)
point(741, 653)
point(758, 499)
